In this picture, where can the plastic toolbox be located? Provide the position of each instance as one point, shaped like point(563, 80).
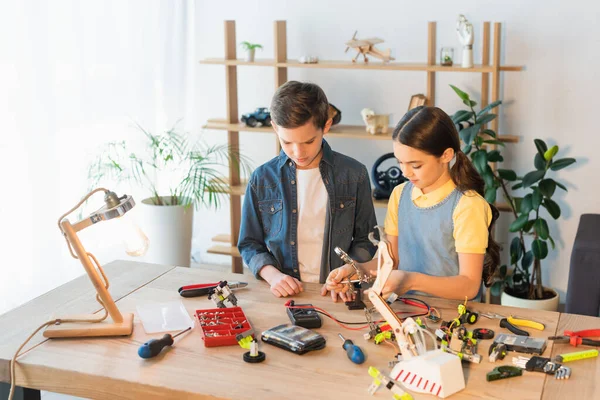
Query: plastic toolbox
point(219, 326)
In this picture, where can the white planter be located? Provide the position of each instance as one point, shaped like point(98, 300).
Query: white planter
point(169, 231)
point(250, 55)
point(547, 304)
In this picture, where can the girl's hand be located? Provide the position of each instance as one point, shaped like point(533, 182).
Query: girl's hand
point(333, 283)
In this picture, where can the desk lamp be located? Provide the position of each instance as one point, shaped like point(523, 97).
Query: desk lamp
point(92, 325)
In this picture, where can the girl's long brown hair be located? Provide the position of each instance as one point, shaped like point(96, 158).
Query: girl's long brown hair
point(430, 130)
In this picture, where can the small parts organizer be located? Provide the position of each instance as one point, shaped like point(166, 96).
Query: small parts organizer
point(221, 325)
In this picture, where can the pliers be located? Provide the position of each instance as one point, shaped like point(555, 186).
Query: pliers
point(203, 289)
point(579, 337)
point(511, 323)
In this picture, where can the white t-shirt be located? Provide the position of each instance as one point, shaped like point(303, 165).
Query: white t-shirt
point(312, 211)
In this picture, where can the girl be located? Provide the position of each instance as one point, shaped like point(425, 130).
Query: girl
point(438, 223)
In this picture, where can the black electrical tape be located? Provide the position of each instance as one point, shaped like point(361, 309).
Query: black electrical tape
point(483, 333)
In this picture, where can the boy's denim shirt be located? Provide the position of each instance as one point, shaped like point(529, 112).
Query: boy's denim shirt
point(268, 233)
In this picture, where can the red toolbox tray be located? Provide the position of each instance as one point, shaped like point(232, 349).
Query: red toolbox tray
point(219, 326)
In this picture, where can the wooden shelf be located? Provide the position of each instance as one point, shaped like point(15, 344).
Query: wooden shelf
point(338, 131)
point(224, 250)
point(373, 65)
point(223, 238)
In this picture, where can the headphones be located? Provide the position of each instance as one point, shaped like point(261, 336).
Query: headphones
point(385, 180)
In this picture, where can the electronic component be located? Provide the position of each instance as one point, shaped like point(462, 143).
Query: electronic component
point(503, 372)
point(522, 344)
point(543, 364)
point(303, 315)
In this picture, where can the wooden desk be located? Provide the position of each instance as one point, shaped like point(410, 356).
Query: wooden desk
point(109, 368)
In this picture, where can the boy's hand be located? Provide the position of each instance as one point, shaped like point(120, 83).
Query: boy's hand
point(282, 285)
point(333, 285)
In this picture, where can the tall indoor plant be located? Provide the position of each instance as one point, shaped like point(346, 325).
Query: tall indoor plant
point(529, 210)
point(190, 169)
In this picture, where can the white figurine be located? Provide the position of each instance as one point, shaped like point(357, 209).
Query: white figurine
point(375, 123)
point(464, 29)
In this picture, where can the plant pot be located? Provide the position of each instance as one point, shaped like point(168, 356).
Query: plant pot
point(250, 55)
point(169, 231)
point(550, 304)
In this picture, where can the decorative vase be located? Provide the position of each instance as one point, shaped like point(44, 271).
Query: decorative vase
point(550, 304)
point(169, 232)
point(250, 55)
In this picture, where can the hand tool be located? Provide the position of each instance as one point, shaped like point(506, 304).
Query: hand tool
point(578, 355)
point(503, 372)
point(579, 337)
point(152, 347)
point(203, 289)
point(354, 352)
point(512, 322)
point(543, 364)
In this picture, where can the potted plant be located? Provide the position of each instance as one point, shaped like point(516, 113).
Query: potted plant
point(189, 167)
point(250, 49)
point(522, 285)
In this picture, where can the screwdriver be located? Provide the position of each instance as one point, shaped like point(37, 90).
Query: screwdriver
point(152, 347)
point(354, 352)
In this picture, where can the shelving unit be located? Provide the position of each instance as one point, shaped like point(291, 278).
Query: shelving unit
point(490, 82)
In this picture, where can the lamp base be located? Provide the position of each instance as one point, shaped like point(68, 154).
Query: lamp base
point(90, 329)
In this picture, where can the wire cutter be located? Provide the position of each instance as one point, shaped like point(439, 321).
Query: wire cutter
point(579, 337)
point(203, 289)
point(511, 323)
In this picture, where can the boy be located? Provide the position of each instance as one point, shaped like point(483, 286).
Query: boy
point(305, 202)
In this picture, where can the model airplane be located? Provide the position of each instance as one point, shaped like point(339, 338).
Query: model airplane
point(367, 46)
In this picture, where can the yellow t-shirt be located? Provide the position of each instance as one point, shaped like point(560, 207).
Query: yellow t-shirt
point(472, 215)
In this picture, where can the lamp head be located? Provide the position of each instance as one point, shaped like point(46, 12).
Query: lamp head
point(114, 207)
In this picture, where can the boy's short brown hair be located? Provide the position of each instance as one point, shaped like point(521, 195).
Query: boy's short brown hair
point(295, 103)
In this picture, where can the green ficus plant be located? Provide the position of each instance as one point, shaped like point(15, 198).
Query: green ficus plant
point(529, 209)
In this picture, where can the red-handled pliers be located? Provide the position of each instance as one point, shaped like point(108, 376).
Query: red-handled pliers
point(204, 289)
point(579, 337)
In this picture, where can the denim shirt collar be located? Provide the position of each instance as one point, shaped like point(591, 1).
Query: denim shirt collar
point(327, 155)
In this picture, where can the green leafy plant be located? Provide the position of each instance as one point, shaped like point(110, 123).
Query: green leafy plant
point(250, 46)
point(528, 210)
point(189, 165)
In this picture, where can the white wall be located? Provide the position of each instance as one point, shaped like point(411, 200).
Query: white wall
point(553, 99)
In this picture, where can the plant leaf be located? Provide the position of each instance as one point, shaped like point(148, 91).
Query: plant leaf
point(539, 248)
point(550, 153)
point(536, 199)
point(463, 96)
point(528, 225)
point(519, 223)
point(494, 156)
point(489, 132)
point(541, 228)
point(552, 242)
point(490, 195)
point(461, 116)
point(561, 163)
point(488, 177)
point(467, 149)
point(496, 288)
point(527, 259)
point(489, 107)
point(469, 103)
point(516, 251)
point(526, 204)
point(552, 207)
point(541, 146)
point(532, 177)
point(547, 187)
point(517, 186)
point(507, 174)
point(538, 162)
point(480, 160)
point(518, 201)
point(484, 119)
point(560, 185)
point(468, 134)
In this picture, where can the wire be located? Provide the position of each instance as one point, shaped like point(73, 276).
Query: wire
point(365, 324)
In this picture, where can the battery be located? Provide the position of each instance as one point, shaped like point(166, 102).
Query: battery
point(522, 344)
